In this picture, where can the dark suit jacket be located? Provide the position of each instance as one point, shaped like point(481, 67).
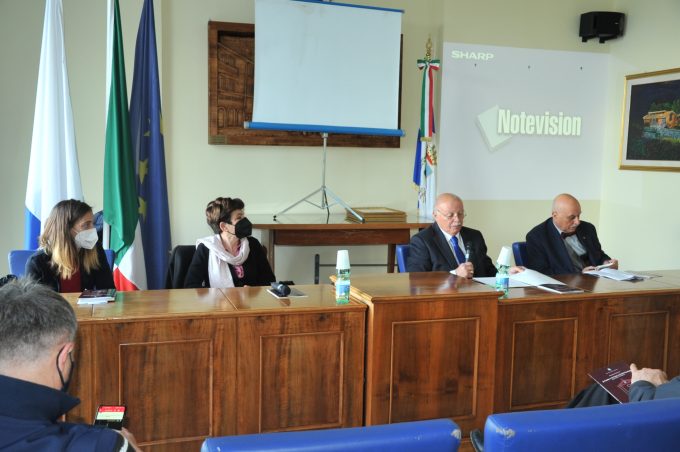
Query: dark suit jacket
point(547, 252)
point(39, 267)
point(429, 251)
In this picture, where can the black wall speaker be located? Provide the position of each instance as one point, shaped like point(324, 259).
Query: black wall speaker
point(601, 24)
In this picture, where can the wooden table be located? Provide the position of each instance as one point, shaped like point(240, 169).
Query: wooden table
point(192, 363)
point(316, 230)
point(440, 346)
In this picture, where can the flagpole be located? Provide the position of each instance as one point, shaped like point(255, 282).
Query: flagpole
point(106, 228)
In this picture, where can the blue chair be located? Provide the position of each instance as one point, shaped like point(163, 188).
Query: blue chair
point(519, 250)
point(651, 425)
point(110, 256)
point(17, 261)
point(402, 257)
point(433, 436)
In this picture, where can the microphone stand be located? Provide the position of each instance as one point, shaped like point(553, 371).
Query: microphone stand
point(324, 190)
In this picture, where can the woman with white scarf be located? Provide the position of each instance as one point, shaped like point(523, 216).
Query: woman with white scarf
point(230, 257)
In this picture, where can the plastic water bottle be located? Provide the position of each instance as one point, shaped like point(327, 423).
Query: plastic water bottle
point(503, 279)
point(342, 281)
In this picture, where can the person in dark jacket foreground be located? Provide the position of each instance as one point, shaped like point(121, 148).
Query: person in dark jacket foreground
point(37, 334)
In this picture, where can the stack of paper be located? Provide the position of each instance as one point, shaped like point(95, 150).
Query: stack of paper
point(617, 275)
point(377, 215)
point(536, 279)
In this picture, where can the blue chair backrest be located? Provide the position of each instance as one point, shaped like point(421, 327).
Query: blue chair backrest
point(433, 436)
point(519, 250)
point(402, 257)
point(651, 425)
point(17, 261)
point(110, 256)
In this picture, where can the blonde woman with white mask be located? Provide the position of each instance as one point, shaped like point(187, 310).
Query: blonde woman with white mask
point(70, 258)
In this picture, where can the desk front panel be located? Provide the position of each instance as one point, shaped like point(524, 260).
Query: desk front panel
point(300, 360)
point(191, 364)
point(547, 344)
point(429, 354)
point(440, 346)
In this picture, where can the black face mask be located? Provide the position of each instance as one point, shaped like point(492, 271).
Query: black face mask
point(243, 229)
point(65, 381)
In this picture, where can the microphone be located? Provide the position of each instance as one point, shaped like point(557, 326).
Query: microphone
point(281, 289)
point(468, 251)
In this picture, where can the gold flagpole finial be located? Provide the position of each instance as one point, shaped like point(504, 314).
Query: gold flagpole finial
point(428, 49)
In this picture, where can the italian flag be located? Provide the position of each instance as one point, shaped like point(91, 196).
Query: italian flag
point(121, 207)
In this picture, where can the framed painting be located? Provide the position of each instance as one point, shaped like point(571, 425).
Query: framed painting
point(650, 136)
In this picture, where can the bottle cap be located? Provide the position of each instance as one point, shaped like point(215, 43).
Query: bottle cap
point(343, 260)
point(504, 256)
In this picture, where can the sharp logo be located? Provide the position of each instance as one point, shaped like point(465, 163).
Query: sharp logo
point(477, 56)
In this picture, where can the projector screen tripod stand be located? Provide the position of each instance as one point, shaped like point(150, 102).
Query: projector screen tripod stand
point(324, 191)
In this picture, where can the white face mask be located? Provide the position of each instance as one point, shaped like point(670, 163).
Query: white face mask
point(86, 239)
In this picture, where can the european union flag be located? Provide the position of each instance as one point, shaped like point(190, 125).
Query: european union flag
point(146, 125)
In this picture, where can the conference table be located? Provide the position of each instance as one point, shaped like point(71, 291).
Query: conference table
point(333, 229)
point(191, 363)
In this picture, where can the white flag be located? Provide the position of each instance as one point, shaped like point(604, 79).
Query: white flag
point(53, 173)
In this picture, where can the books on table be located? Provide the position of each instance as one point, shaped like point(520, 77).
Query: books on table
point(377, 215)
point(97, 296)
point(615, 379)
point(537, 279)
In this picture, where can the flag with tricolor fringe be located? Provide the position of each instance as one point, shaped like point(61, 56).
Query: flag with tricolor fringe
point(425, 163)
point(121, 207)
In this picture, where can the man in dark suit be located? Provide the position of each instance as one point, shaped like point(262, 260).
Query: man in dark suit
point(447, 245)
point(565, 244)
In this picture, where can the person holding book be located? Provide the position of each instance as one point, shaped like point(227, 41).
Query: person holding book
point(230, 257)
point(646, 384)
point(38, 329)
point(70, 257)
point(447, 245)
point(563, 243)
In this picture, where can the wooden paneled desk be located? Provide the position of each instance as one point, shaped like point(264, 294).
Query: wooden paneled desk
point(317, 230)
point(192, 363)
point(438, 346)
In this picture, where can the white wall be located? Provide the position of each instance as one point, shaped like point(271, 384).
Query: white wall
point(639, 209)
point(198, 172)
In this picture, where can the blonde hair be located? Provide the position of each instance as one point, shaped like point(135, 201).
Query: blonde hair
point(58, 242)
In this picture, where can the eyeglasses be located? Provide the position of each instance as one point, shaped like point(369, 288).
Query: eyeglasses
point(450, 215)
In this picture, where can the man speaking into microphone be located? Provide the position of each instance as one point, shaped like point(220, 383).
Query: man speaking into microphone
point(447, 245)
point(563, 243)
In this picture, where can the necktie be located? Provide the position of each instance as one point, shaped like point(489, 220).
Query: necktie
point(460, 256)
point(567, 234)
